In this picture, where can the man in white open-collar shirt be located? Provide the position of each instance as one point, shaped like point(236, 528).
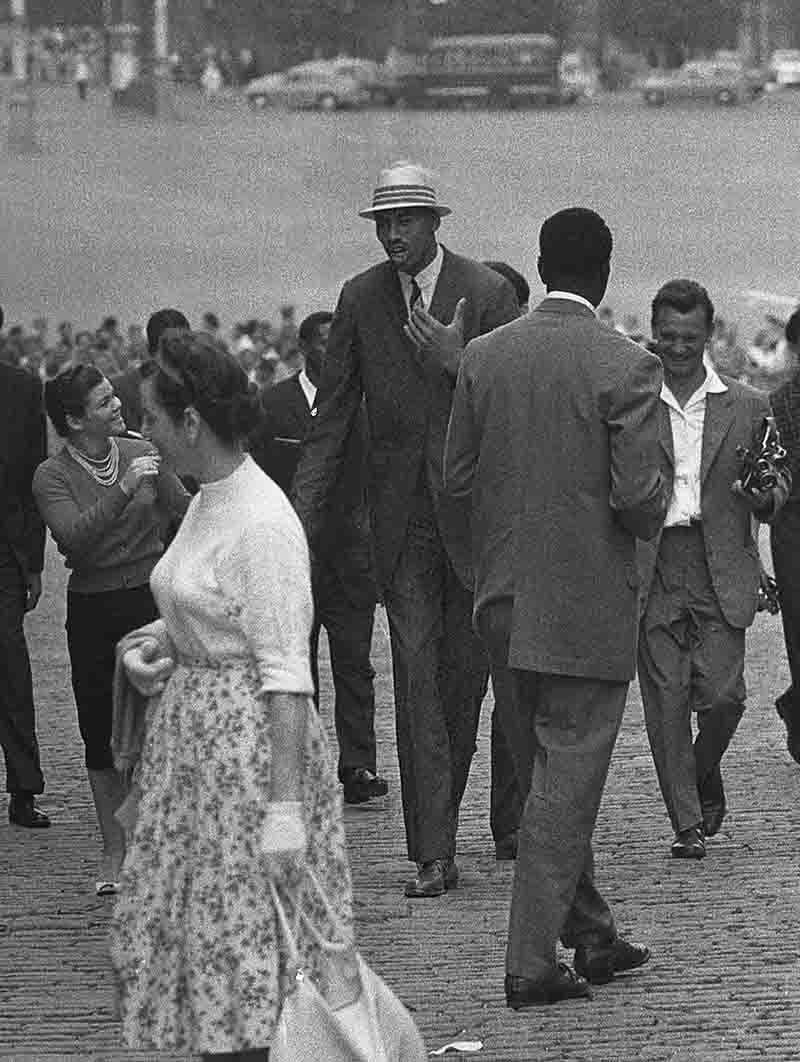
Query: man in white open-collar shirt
point(699, 577)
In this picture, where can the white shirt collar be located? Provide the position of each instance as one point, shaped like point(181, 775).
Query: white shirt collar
point(309, 390)
point(571, 296)
point(712, 385)
point(426, 279)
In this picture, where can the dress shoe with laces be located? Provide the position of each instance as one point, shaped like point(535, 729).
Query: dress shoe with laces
point(562, 983)
point(689, 844)
point(599, 962)
point(433, 879)
point(23, 812)
point(360, 784)
point(505, 848)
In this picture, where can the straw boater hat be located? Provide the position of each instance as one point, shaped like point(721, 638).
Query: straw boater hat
point(404, 185)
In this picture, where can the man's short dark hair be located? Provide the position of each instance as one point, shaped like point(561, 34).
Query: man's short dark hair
point(684, 296)
point(159, 322)
point(310, 325)
point(792, 332)
point(575, 242)
point(210, 320)
point(517, 280)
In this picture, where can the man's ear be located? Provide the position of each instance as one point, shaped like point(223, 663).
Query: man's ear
point(541, 270)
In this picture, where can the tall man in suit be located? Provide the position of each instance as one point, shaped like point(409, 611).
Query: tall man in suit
point(396, 340)
point(700, 575)
point(343, 579)
point(22, 537)
point(554, 434)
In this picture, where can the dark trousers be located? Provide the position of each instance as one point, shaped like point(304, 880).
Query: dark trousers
point(785, 543)
point(348, 617)
point(510, 772)
point(690, 659)
point(561, 732)
point(17, 716)
point(440, 671)
point(95, 623)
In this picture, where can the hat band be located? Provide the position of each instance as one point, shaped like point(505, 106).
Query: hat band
point(420, 194)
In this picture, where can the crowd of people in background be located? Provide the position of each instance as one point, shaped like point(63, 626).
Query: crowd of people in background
point(269, 351)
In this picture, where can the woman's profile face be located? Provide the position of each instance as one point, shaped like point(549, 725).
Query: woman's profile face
point(102, 415)
point(160, 429)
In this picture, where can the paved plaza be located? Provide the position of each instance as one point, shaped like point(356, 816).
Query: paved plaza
point(723, 983)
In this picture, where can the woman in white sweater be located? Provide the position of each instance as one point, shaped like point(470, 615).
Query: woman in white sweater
point(236, 778)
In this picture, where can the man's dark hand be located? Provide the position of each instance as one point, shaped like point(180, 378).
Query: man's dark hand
point(443, 343)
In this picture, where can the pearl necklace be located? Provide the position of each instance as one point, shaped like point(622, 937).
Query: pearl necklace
point(106, 470)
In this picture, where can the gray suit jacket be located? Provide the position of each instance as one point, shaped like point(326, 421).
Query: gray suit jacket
point(407, 400)
point(732, 419)
point(554, 430)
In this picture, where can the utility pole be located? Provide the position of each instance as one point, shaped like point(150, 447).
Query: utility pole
point(21, 129)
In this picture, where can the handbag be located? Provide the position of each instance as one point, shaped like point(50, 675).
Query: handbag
point(351, 1015)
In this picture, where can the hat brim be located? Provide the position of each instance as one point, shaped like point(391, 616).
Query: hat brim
point(370, 212)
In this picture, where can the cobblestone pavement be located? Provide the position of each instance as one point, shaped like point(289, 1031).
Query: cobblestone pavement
point(723, 983)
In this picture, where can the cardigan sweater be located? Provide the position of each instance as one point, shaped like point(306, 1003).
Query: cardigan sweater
point(110, 540)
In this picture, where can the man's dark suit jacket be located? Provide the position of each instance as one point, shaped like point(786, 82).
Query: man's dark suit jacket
point(407, 399)
point(23, 446)
point(127, 387)
point(276, 445)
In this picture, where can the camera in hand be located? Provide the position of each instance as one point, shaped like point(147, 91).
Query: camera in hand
point(762, 465)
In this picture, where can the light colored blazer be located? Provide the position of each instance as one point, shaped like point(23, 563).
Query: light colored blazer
point(732, 419)
point(554, 431)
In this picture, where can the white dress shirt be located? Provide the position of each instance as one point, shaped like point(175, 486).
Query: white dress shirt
point(309, 390)
point(687, 441)
point(426, 280)
point(571, 296)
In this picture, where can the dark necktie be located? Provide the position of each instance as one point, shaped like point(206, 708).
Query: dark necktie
point(415, 297)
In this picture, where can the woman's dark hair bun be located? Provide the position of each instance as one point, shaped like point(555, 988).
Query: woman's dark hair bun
point(245, 411)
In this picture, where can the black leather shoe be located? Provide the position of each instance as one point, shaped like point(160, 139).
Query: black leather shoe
point(433, 879)
point(788, 713)
point(562, 983)
point(22, 812)
point(361, 784)
point(599, 962)
point(689, 844)
point(506, 847)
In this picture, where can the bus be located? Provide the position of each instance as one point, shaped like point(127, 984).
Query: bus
point(501, 70)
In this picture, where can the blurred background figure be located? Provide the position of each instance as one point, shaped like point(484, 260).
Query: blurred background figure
point(344, 586)
point(518, 282)
point(82, 75)
point(22, 448)
point(128, 384)
point(785, 535)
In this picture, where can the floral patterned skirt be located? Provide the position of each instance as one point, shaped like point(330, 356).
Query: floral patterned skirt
point(195, 941)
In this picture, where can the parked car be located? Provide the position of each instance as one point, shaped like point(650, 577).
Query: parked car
point(784, 67)
point(723, 81)
point(323, 84)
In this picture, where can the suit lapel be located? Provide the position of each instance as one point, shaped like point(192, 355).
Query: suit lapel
point(665, 434)
point(445, 293)
point(718, 421)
